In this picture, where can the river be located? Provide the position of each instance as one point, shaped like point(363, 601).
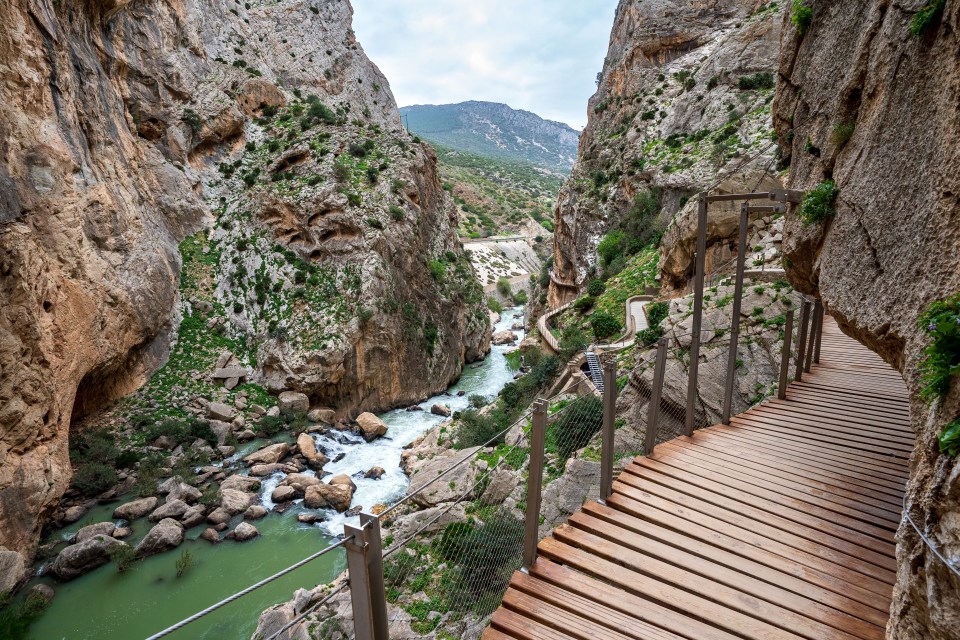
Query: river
point(149, 597)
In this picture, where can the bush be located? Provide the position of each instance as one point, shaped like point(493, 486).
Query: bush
point(756, 81)
point(928, 17)
point(376, 224)
point(124, 557)
point(488, 556)
point(941, 361)
point(475, 429)
point(577, 424)
point(182, 431)
point(583, 304)
point(184, 562)
point(504, 287)
point(477, 401)
point(596, 288)
point(15, 619)
point(604, 325)
point(437, 269)
point(609, 247)
point(802, 15)
point(949, 438)
point(396, 213)
point(272, 425)
point(656, 313)
point(572, 340)
point(817, 206)
point(494, 305)
point(93, 478)
point(520, 298)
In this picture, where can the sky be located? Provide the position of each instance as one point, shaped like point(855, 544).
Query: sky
point(538, 55)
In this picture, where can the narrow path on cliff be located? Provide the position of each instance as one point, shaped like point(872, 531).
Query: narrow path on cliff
point(780, 526)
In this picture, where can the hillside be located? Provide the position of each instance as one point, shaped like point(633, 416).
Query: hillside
point(495, 130)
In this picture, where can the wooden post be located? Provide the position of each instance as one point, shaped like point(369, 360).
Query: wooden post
point(701, 262)
point(538, 437)
point(609, 428)
point(802, 339)
point(653, 410)
point(785, 356)
point(735, 320)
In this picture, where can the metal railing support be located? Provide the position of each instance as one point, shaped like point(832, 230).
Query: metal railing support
point(785, 356)
point(653, 410)
point(812, 340)
point(701, 261)
point(609, 424)
point(538, 438)
point(735, 321)
point(821, 313)
point(365, 566)
point(802, 339)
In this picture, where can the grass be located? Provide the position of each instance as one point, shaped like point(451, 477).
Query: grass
point(941, 360)
point(817, 206)
point(801, 14)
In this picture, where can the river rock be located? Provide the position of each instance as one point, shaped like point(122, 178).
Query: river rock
point(414, 408)
point(517, 326)
point(170, 509)
point(308, 449)
point(255, 512)
point(91, 530)
point(343, 480)
point(294, 401)
point(13, 569)
point(194, 516)
point(44, 591)
point(122, 532)
point(371, 426)
point(375, 473)
point(440, 410)
point(219, 516)
point(264, 470)
point(246, 435)
point(333, 496)
point(268, 455)
point(234, 501)
point(502, 483)
point(221, 429)
point(241, 483)
point(210, 535)
point(78, 559)
point(135, 509)
point(326, 416)
point(226, 451)
point(245, 531)
point(165, 535)
point(185, 492)
point(310, 518)
point(74, 513)
point(283, 494)
point(299, 482)
point(273, 411)
point(448, 488)
point(504, 337)
point(221, 411)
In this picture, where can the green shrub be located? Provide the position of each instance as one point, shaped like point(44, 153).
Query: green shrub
point(504, 287)
point(437, 269)
point(583, 304)
point(572, 340)
point(520, 298)
point(182, 431)
point(123, 557)
point(488, 556)
point(494, 305)
point(396, 213)
point(604, 325)
point(817, 206)
point(93, 478)
point(756, 81)
point(184, 562)
point(577, 424)
point(474, 429)
point(610, 246)
point(357, 150)
point(430, 335)
point(656, 313)
point(596, 288)
point(941, 362)
point(949, 438)
point(376, 224)
point(16, 618)
point(802, 15)
point(928, 17)
point(272, 425)
point(477, 401)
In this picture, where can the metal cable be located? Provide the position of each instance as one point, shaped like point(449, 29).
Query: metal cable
point(926, 541)
point(249, 589)
point(309, 610)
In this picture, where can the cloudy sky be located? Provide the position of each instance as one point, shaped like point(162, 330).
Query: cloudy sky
point(538, 55)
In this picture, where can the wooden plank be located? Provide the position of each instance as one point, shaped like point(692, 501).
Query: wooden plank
point(888, 429)
point(684, 624)
point(558, 619)
point(837, 398)
point(492, 634)
point(524, 628)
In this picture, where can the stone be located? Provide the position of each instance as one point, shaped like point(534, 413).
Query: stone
point(246, 435)
point(231, 383)
point(122, 532)
point(135, 509)
point(224, 359)
point(219, 516)
point(257, 409)
point(234, 501)
point(224, 373)
point(255, 512)
point(371, 426)
point(517, 326)
point(273, 412)
point(448, 488)
point(310, 518)
point(74, 513)
point(185, 492)
point(221, 429)
point(165, 535)
point(226, 451)
point(241, 483)
point(210, 535)
point(283, 494)
point(98, 529)
point(308, 449)
point(326, 416)
point(440, 410)
point(408, 524)
point(78, 559)
point(343, 480)
point(502, 483)
point(221, 411)
point(414, 408)
point(165, 442)
point(13, 569)
point(170, 509)
point(323, 496)
point(268, 455)
point(504, 337)
point(43, 591)
point(375, 473)
point(245, 531)
point(194, 516)
point(294, 401)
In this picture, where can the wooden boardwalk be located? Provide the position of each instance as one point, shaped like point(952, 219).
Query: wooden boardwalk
point(778, 526)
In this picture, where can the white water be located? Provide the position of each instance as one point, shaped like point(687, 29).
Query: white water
point(403, 428)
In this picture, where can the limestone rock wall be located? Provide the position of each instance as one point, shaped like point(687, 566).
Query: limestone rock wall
point(894, 245)
point(669, 117)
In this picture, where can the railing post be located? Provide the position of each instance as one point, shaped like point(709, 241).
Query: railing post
point(358, 550)
point(538, 437)
point(785, 356)
point(812, 340)
point(802, 339)
point(653, 410)
point(609, 422)
point(378, 594)
point(735, 321)
point(701, 261)
point(816, 346)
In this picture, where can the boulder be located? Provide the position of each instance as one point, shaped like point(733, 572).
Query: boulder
point(502, 483)
point(504, 337)
point(220, 411)
point(165, 535)
point(246, 435)
point(371, 426)
point(375, 473)
point(219, 516)
point(241, 483)
point(13, 569)
point(326, 416)
point(234, 501)
point(185, 492)
point(283, 494)
point(194, 516)
point(254, 512)
point(332, 496)
point(210, 535)
point(308, 449)
point(170, 509)
point(221, 429)
point(44, 591)
point(74, 513)
point(310, 518)
point(135, 509)
point(343, 480)
point(263, 470)
point(440, 410)
point(122, 532)
point(78, 559)
point(273, 411)
point(517, 326)
point(294, 401)
point(98, 529)
point(449, 488)
point(245, 531)
point(299, 482)
point(270, 454)
point(429, 520)
point(226, 373)
point(226, 451)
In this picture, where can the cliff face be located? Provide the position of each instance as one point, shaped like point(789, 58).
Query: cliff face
point(113, 115)
point(863, 102)
point(683, 100)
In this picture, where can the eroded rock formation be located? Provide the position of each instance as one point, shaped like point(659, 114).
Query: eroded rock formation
point(863, 102)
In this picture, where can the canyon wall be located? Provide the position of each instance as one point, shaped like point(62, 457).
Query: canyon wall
point(865, 103)
point(682, 103)
point(113, 117)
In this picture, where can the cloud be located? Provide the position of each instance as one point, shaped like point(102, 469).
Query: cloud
point(538, 55)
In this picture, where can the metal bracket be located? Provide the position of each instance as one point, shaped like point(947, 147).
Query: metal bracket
point(787, 195)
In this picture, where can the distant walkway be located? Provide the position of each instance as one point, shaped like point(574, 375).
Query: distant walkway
point(636, 320)
point(780, 526)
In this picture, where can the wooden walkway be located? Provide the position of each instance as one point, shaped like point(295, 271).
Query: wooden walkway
point(778, 526)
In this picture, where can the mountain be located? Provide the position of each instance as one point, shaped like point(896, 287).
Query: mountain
point(496, 131)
